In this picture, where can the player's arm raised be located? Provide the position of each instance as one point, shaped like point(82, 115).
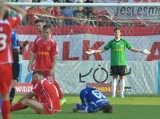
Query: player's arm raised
point(17, 9)
point(145, 51)
point(90, 51)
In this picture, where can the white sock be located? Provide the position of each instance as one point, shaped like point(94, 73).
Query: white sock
point(114, 85)
point(122, 86)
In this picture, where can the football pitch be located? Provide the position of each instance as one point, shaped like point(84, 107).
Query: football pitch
point(130, 107)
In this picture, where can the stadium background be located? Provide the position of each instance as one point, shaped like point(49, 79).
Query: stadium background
point(74, 40)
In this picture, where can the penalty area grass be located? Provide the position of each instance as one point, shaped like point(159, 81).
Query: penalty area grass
point(130, 107)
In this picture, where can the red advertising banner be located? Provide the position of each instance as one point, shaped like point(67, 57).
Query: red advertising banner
point(23, 88)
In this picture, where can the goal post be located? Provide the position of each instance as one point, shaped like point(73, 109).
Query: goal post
point(139, 24)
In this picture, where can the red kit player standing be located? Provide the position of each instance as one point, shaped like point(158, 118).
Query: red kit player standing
point(6, 58)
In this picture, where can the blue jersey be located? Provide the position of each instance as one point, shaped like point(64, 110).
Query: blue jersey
point(15, 41)
point(92, 100)
point(15, 45)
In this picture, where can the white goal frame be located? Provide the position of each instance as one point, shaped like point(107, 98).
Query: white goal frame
point(87, 4)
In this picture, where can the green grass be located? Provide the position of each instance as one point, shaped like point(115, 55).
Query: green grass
point(131, 107)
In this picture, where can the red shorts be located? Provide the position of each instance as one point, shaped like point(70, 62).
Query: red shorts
point(5, 78)
point(47, 110)
point(56, 106)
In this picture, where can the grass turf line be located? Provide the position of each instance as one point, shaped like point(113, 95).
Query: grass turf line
point(131, 107)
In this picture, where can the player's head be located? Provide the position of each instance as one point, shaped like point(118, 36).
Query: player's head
point(39, 23)
point(117, 32)
point(6, 14)
point(38, 75)
point(47, 30)
point(107, 109)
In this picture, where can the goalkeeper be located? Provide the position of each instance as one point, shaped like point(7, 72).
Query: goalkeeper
point(118, 59)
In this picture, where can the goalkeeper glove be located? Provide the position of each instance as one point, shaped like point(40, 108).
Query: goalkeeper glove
point(90, 51)
point(145, 51)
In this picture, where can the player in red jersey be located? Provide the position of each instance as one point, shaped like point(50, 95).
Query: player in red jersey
point(6, 59)
point(39, 23)
point(45, 50)
point(39, 26)
point(49, 100)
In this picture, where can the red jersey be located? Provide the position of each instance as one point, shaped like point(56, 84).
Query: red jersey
point(44, 50)
point(48, 94)
point(6, 27)
point(38, 37)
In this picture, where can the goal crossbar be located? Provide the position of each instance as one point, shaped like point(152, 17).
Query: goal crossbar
point(87, 4)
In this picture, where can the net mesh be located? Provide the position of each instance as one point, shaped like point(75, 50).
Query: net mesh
point(100, 16)
point(85, 30)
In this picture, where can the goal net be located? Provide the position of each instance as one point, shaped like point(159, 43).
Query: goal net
point(78, 27)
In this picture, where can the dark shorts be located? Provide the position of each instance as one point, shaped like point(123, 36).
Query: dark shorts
point(15, 70)
point(118, 70)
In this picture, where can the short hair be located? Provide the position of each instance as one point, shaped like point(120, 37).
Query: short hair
point(38, 72)
point(38, 20)
point(47, 26)
point(6, 15)
point(117, 28)
point(107, 109)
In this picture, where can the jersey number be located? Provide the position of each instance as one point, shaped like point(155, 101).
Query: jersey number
point(98, 94)
point(3, 41)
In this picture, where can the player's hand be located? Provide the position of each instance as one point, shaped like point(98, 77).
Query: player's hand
point(52, 71)
point(26, 43)
point(145, 51)
point(30, 68)
point(90, 51)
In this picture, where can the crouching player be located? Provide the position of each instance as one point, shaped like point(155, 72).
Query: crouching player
point(48, 102)
point(92, 100)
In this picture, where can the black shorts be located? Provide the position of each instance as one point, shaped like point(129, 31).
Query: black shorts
point(15, 70)
point(118, 70)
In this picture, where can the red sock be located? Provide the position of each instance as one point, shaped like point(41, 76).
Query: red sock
point(58, 88)
point(18, 106)
point(5, 109)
